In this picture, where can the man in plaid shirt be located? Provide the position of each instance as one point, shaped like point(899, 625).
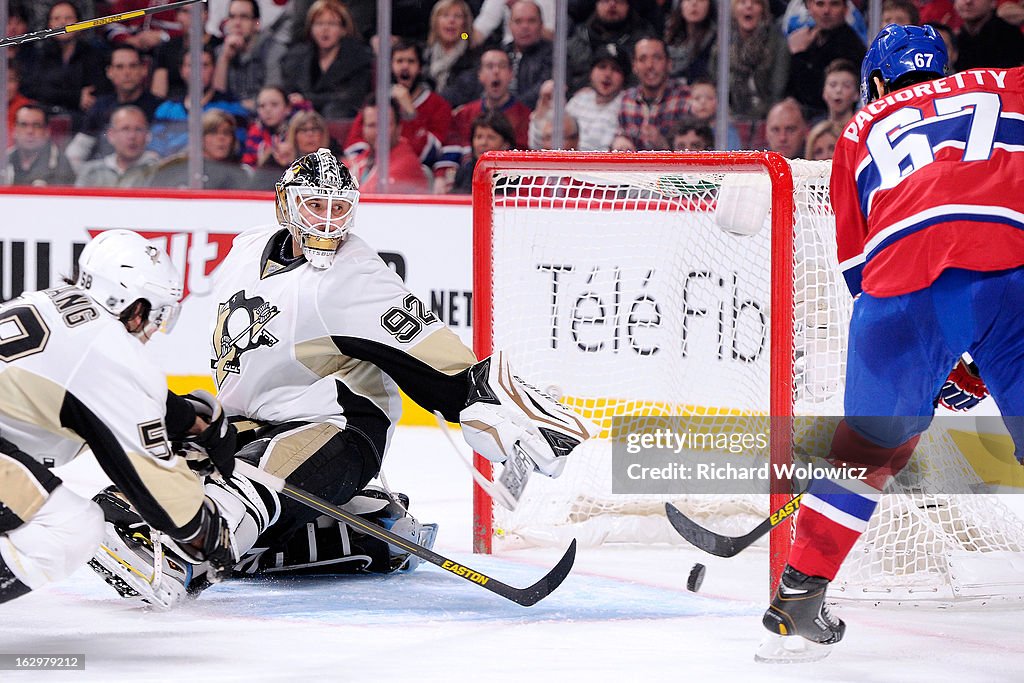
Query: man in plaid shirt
point(650, 109)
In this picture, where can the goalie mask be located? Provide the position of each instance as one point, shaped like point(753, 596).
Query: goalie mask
point(316, 201)
point(119, 267)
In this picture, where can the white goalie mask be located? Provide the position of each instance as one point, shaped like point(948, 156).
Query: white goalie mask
point(316, 201)
point(119, 267)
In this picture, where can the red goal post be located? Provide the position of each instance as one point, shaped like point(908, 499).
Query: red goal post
point(562, 164)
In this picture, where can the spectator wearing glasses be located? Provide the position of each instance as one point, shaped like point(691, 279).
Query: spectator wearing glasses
point(130, 164)
point(332, 68)
point(34, 159)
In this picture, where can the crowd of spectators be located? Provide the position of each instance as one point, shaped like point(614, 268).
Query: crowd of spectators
point(280, 78)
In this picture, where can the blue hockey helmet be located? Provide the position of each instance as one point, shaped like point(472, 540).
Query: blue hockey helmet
point(900, 50)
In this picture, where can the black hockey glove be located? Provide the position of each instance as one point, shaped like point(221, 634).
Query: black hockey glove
point(218, 440)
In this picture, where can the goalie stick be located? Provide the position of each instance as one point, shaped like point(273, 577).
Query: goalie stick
point(91, 23)
point(522, 596)
point(727, 546)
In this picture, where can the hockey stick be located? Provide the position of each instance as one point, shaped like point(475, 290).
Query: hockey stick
point(522, 596)
point(727, 546)
point(90, 23)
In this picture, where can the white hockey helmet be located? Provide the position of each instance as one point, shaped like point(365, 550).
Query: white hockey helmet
point(316, 201)
point(119, 267)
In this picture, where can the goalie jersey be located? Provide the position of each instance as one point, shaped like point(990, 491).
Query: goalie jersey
point(292, 343)
point(922, 181)
point(71, 374)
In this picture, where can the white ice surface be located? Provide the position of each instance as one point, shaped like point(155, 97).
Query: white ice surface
point(623, 614)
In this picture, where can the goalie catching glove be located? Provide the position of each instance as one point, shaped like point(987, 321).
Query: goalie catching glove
point(504, 415)
point(964, 387)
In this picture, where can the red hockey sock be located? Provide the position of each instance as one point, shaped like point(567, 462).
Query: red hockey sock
point(832, 517)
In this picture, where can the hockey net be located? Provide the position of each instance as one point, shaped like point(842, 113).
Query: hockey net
point(653, 285)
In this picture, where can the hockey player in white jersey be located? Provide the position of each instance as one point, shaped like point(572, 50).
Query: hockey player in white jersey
point(313, 337)
point(73, 372)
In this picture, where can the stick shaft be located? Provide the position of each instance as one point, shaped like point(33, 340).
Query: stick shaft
point(91, 23)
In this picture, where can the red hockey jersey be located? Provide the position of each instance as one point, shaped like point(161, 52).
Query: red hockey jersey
point(924, 180)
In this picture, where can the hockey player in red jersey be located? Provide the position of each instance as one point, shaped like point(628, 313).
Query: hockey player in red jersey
point(931, 242)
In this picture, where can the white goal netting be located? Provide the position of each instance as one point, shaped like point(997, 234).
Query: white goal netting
point(647, 293)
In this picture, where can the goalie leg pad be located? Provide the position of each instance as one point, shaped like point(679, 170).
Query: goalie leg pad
point(504, 414)
point(327, 546)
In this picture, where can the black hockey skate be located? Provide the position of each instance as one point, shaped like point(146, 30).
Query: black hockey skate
point(799, 609)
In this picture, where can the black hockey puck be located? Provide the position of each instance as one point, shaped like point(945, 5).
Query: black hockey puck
point(696, 577)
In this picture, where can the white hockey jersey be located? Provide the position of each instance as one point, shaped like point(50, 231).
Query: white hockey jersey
point(292, 343)
point(70, 373)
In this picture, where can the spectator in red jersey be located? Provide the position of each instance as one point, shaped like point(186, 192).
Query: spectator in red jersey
point(939, 12)
point(406, 175)
point(495, 75)
point(144, 33)
point(426, 116)
point(332, 69)
point(650, 109)
point(273, 110)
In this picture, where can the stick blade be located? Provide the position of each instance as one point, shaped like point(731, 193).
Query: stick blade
point(547, 583)
point(708, 541)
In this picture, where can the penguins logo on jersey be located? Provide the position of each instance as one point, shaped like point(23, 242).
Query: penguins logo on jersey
point(241, 327)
